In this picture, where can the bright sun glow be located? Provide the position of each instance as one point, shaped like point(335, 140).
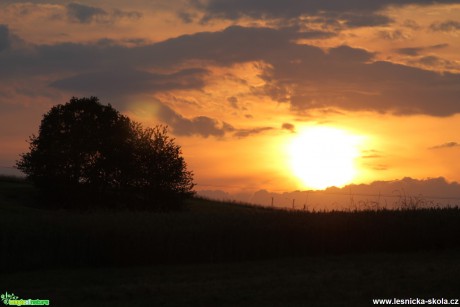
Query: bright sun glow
point(322, 157)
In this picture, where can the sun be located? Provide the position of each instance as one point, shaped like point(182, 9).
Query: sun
point(324, 156)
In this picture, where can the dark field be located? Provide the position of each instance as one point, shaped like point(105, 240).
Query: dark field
point(348, 280)
point(221, 254)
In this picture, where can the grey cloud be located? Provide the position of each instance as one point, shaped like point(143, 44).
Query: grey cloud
point(202, 125)
point(233, 101)
point(436, 62)
point(83, 13)
point(234, 44)
point(349, 55)
point(438, 46)
point(339, 20)
point(117, 13)
point(305, 76)
point(86, 14)
point(288, 9)
point(186, 17)
point(118, 82)
point(348, 80)
point(446, 145)
point(37, 1)
point(412, 51)
point(446, 26)
point(415, 51)
point(236, 9)
point(430, 60)
point(231, 45)
point(69, 58)
point(4, 37)
point(311, 34)
point(354, 20)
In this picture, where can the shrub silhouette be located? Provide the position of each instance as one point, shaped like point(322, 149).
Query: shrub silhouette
point(87, 153)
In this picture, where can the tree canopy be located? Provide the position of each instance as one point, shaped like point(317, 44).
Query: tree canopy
point(88, 151)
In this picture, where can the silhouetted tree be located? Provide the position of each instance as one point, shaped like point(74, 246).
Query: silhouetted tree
point(86, 151)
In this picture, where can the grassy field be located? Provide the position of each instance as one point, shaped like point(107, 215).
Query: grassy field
point(347, 280)
point(223, 254)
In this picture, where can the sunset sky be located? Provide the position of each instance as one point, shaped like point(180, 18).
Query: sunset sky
point(249, 87)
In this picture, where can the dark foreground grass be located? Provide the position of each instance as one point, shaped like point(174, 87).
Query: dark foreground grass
point(32, 238)
point(207, 232)
point(347, 280)
point(222, 254)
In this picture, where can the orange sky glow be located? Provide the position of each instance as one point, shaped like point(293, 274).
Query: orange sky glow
point(238, 82)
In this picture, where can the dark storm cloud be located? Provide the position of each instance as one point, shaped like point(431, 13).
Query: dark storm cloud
point(69, 58)
point(234, 44)
point(60, 58)
point(446, 26)
point(446, 145)
point(4, 37)
point(305, 76)
point(84, 13)
point(201, 125)
point(339, 20)
point(347, 78)
point(288, 9)
point(128, 81)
